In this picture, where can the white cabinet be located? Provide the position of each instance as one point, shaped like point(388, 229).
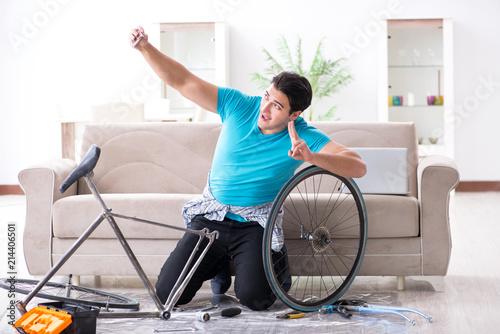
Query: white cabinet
point(417, 80)
point(202, 48)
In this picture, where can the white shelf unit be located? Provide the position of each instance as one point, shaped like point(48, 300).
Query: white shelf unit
point(202, 48)
point(416, 58)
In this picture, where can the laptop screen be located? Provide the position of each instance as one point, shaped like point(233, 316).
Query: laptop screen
point(387, 170)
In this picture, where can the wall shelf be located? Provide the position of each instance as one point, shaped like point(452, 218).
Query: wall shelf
point(414, 66)
point(416, 61)
point(202, 48)
point(417, 106)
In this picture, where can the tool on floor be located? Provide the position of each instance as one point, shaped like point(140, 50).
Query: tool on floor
point(343, 306)
point(174, 330)
point(227, 313)
point(291, 315)
point(203, 308)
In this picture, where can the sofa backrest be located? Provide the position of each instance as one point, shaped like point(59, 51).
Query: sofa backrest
point(378, 134)
point(176, 157)
point(151, 157)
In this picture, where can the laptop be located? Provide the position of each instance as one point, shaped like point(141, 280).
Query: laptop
point(387, 170)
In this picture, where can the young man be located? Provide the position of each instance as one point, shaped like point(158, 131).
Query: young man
point(262, 142)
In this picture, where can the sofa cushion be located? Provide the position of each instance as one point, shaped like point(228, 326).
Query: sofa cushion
point(392, 216)
point(73, 215)
point(388, 216)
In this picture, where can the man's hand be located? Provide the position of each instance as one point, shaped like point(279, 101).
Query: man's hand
point(300, 150)
point(138, 38)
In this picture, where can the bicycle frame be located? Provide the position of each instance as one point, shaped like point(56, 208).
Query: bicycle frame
point(186, 274)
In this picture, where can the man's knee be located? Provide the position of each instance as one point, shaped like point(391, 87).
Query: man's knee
point(161, 292)
point(256, 299)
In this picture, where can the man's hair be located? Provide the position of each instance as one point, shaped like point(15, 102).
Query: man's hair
point(296, 88)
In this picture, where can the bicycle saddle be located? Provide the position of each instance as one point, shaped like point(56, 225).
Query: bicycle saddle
point(86, 166)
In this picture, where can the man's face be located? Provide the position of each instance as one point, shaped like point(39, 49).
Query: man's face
point(275, 112)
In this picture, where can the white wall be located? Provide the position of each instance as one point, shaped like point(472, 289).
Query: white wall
point(62, 51)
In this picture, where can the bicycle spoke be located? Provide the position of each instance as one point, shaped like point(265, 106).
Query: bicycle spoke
point(82, 295)
point(324, 228)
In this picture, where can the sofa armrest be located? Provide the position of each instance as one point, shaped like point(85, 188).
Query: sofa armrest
point(437, 176)
point(41, 186)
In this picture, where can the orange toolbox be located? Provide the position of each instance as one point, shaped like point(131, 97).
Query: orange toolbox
point(58, 318)
point(42, 320)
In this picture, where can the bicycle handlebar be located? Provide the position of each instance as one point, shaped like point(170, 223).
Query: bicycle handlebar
point(86, 166)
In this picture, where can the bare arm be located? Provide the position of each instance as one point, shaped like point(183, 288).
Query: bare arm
point(175, 74)
point(339, 160)
point(333, 157)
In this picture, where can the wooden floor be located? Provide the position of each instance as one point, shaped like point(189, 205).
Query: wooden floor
point(469, 304)
point(471, 301)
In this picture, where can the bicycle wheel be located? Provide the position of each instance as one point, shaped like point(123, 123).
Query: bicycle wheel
point(325, 230)
point(78, 294)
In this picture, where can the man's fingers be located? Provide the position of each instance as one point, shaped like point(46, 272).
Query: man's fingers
point(292, 132)
point(138, 39)
point(136, 35)
point(136, 32)
point(299, 150)
point(296, 152)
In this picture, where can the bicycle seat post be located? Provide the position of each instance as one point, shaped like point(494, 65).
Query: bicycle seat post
point(95, 192)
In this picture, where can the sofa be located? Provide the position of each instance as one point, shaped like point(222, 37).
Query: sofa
point(150, 170)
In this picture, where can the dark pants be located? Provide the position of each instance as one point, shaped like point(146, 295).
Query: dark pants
point(241, 242)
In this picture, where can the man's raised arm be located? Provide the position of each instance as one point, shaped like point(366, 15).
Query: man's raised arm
point(175, 74)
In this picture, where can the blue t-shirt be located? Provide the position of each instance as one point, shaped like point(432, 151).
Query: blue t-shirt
point(249, 168)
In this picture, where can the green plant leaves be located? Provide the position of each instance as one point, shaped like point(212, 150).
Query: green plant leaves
point(326, 76)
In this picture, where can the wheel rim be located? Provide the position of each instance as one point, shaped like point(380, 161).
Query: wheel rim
point(78, 294)
point(325, 234)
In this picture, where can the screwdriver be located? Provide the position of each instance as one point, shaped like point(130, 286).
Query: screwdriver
point(228, 312)
point(291, 315)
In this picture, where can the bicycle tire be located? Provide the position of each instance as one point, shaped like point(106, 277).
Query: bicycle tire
point(325, 232)
point(79, 294)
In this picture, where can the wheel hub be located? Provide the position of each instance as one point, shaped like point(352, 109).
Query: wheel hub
point(320, 239)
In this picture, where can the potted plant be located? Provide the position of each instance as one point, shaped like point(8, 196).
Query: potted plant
point(326, 76)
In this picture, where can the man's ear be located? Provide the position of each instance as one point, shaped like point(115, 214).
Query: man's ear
point(294, 115)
